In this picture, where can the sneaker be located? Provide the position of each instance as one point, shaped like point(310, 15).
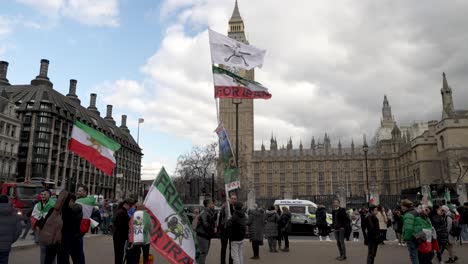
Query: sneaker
point(328, 239)
point(285, 250)
point(255, 257)
point(450, 260)
point(320, 238)
point(341, 258)
point(399, 244)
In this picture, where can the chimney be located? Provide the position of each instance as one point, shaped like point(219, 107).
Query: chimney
point(42, 78)
point(109, 114)
point(44, 68)
point(124, 121)
point(92, 101)
point(72, 92)
point(92, 104)
point(3, 72)
point(123, 126)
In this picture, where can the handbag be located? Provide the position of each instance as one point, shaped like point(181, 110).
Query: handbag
point(51, 232)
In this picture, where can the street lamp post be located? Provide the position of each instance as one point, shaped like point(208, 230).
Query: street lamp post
point(365, 148)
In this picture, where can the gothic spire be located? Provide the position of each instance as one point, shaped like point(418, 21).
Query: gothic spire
point(386, 110)
point(312, 143)
point(236, 17)
point(445, 85)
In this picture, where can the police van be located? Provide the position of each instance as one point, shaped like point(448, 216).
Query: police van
point(298, 206)
point(304, 207)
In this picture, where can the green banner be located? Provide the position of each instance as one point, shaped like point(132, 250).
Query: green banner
point(230, 171)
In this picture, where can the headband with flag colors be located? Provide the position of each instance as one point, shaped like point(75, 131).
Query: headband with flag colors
point(232, 53)
point(94, 147)
point(171, 233)
point(230, 85)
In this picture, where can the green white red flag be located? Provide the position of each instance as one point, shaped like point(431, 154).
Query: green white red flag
point(94, 147)
point(171, 233)
point(230, 85)
point(87, 204)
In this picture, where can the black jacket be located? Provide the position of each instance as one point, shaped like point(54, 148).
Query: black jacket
point(236, 226)
point(321, 216)
point(10, 226)
point(371, 229)
point(285, 223)
point(206, 224)
point(71, 217)
point(463, 215)
point(223, 220)
point(340, 218)
point(121, 225)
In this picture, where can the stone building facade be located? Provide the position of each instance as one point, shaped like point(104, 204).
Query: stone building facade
point(399, 157)
point(47, 119)
point(9, 131)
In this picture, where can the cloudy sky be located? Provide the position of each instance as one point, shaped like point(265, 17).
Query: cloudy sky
point(328, 63)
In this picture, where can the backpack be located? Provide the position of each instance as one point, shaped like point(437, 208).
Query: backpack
point(51, 232)
point(456, 229)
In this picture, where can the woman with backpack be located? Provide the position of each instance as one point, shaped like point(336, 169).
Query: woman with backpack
point(449, 219)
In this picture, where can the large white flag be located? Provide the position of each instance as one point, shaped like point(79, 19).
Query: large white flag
point(233, 53)
point(171, 234)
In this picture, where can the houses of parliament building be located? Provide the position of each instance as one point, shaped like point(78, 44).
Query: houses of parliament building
point(398, 157)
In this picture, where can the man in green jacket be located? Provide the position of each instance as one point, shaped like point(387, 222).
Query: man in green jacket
point(410, 228)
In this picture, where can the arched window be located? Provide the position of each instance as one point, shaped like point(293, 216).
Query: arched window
point(442, 143)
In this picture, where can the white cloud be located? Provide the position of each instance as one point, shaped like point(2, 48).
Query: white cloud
point(327, 66)
point(88, 12)
point(150, 169)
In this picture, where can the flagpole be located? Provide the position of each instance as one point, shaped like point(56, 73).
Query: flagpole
point(138, 133)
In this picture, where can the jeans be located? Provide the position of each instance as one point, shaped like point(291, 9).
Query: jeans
point(4, 257)
point(339, 236)
point(413, 251)
point(371, 251)
point(256, 248)
point(81, 251)
point(204, 246)
point(43, 250)
point(285, 236)
point(272, 243)
point(27, 227)
point(464, 232)
point(119, 249)
point(237, 252)
point(69, 248)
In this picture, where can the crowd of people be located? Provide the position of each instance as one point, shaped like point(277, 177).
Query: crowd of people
point(427, 232)
point(232, 224)
point(59, 225)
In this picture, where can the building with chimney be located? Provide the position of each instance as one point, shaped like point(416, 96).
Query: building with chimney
point(399, 157)
point(9, 131)
point(47, 119)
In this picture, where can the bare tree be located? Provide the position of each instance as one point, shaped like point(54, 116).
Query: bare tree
point(196, 166)
point(458, 166)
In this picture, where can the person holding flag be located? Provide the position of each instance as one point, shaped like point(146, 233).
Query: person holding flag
point(87, 202)
point(38, 218)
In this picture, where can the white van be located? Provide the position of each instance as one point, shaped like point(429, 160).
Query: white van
point(305, 207)
point(298, 206)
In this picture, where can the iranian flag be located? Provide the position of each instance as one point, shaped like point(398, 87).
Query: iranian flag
point(230, 85)
point(94, 147)
point(171, 233)
point(87, 204)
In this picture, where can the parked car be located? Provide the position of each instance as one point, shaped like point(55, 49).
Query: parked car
point(303, 225)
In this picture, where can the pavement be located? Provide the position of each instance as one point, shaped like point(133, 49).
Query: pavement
point(99, 250)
